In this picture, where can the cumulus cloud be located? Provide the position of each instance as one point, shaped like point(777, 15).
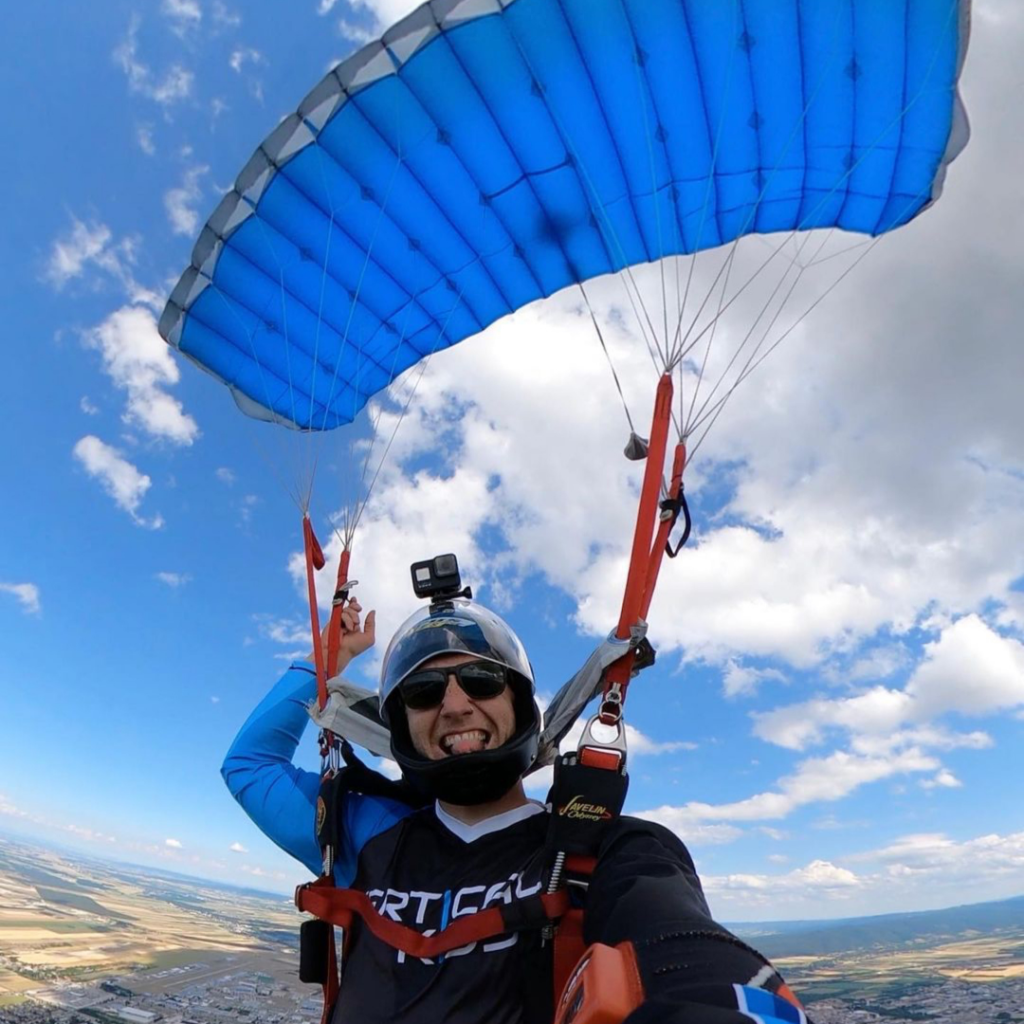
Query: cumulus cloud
point(971, 669)
point(816, 780)
point(744, 680)
point(238, 848)
point(139, 362)
point(119, 478)
point(384, 12)
point(944, 779)
point(183, 15)
point(26, 594)
point(173, 86)
point(174, 844)
point(242, 56)
point(283, 631)
point(181, 202)
point(89, 245)
point(931, 870)
point(225, 475)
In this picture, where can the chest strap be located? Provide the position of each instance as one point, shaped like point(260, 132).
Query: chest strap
point(341, 906)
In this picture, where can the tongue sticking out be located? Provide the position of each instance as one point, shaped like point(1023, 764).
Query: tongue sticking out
point(467, 744)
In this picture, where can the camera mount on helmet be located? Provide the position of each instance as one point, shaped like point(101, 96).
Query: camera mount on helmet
point(438, 579)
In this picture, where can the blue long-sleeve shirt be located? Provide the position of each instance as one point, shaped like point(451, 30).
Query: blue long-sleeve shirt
point(280, 797)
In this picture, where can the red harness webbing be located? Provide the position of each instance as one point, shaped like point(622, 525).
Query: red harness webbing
point(340, 906)
point(648, 547)
point(315, 560)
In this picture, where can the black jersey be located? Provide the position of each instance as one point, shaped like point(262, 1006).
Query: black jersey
point(421, 874)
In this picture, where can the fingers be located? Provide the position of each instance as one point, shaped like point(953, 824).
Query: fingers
point(370, 627)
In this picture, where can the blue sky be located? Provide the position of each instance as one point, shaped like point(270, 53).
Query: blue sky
point(834, 723)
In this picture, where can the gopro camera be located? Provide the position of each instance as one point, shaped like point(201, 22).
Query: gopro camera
point(438, 579)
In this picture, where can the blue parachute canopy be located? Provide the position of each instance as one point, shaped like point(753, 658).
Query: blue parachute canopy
point(486, 153)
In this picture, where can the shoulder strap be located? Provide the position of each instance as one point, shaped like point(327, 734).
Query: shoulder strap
point(354, 777)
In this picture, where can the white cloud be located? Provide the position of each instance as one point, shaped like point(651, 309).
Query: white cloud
point(180, 202)
point(144, 137)
point(140, 363)
point(238, 848)
point(120, 479)
point(689, 828)
point(284, 631)
point(87, 406)
point(89, 245)
point(242, 56)
point(224, 17)
point(8, 808)
point(935, 870)
point(971, 669)
point(225, 475)
point(174, 580)
point(815, 780)
point(384, 12)
point(27, 595)
point(744, 680)
point(174, 86)
point(184, 15)
point(174, 844)
point(945, 779)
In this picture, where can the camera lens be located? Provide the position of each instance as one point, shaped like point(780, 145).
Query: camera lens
point(446, 565)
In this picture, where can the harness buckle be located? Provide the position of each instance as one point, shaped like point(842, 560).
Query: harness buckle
point(605, 753)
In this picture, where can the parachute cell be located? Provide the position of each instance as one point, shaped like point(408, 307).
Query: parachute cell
point(487, 153)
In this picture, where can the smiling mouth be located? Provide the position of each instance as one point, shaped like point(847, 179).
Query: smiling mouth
point(467, 742)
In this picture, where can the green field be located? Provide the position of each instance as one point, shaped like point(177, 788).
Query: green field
point(12, 1000)
point(60, 927)
point(63, 898)
point(177, 958)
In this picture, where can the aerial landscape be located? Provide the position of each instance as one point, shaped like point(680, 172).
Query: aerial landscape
point(358, 354)
point(84, 940)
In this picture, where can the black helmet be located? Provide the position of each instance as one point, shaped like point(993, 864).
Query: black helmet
point(461, 627)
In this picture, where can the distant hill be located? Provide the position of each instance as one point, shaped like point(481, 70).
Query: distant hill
point(928, 927)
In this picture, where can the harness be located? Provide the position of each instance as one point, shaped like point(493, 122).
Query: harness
point(587, 796)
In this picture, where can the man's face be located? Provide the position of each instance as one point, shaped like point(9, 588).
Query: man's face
point(460, 724)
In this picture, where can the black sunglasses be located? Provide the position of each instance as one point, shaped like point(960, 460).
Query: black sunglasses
point(480, 680)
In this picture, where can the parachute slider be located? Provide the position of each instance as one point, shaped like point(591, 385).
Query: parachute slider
point(636, 447)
